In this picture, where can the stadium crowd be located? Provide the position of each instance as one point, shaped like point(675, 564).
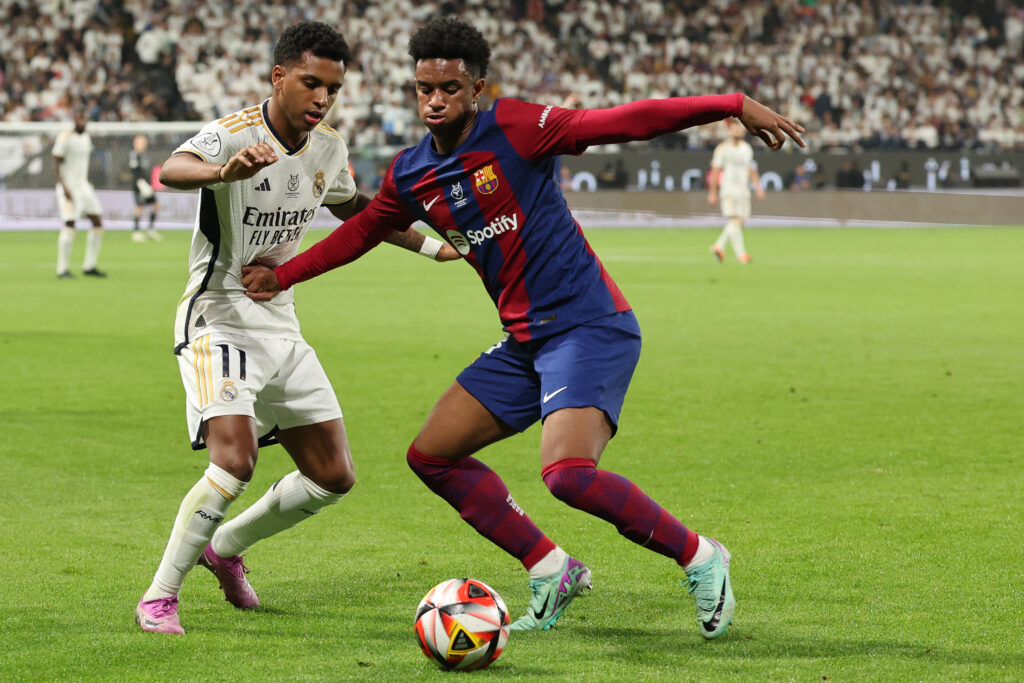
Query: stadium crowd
point(938, 74)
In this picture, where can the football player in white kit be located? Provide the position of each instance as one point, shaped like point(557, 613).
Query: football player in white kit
point(732, 173)
point(76, 197)
point(250, 378)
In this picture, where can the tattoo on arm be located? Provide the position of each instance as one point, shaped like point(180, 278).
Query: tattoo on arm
point(410, 239)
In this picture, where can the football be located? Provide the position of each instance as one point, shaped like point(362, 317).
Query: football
point(462, 624)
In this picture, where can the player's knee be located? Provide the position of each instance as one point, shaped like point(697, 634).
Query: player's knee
point(239, 464)
point(426, 467)
point(560, 485)
point(338, 481)
point(415, 460)
point(567, 479)
point(334, 473)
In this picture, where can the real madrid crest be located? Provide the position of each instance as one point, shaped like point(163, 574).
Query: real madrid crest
point(228, 390)
point(319, 184)
point(486, 181)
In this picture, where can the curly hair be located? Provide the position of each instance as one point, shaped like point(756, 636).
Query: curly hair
point(317, 37)
point(451, 38)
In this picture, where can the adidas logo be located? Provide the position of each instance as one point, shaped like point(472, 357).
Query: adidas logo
point(264, 186)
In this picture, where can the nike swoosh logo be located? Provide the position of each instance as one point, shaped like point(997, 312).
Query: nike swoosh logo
point(426, 205)
point(150, 622)
point(548, 397)
point(712, 623)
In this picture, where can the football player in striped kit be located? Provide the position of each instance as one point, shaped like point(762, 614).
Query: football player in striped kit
point(483, 181)
point(250, 378)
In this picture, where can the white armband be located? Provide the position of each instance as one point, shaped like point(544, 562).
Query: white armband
point(430, 247)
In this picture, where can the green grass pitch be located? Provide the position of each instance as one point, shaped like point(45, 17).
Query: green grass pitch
point(845, 414)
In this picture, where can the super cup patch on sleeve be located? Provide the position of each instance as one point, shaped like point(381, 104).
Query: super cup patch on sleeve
point(208, 143)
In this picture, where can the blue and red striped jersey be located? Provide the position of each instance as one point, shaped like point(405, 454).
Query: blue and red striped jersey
point(495, 200)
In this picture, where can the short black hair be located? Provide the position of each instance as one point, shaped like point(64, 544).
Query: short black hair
point(317, 37)
point(451, 38)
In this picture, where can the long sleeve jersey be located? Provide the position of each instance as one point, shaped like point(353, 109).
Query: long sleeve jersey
point(494, 199)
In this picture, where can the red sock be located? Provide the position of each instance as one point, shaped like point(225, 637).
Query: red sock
point(615, 499)
point(483, 500)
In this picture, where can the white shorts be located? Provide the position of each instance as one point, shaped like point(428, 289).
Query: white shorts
point(83, 202)
point(278, 382)
point(736, 205)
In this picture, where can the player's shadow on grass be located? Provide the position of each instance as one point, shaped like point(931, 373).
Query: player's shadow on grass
point(619, 643)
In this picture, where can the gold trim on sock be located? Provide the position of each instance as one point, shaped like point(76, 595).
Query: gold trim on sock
point(220, 490)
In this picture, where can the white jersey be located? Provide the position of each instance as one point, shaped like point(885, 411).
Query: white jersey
point(74, 149)
point(263, 217)
point(735, 159)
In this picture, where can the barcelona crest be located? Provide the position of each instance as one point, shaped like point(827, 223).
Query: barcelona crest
point(318, 184)
point(486, 181)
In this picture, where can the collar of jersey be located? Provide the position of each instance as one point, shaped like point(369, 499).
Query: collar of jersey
point(278, 140)
point(470, 139)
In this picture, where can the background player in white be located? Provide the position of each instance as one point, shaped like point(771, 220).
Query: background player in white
point(76, 197)
point(250, 378)
point(142, 189)
point(732, 173)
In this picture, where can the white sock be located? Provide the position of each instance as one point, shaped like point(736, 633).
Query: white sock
point(293, 498)
point(734, 228)
point(722, 238)
point(704, 552)
point(201, 511)
point(65, 239)
point(549, 564)
point(92, 248)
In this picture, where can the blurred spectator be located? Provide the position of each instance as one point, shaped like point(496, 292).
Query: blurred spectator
point(614, 175)
point(800, 179)
point(564, 177)
point(849, 176)
point(901, 181)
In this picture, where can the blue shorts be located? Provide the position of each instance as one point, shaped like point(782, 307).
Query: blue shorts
point(588, 365)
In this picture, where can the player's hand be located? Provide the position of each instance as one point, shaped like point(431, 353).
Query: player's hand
point(447, 253)
point(248, 162)
point(759, 191)
point(260, 282)
point(771, 127)
point(712, 198)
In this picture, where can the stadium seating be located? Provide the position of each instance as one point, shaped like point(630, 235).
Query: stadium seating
point(862, 73)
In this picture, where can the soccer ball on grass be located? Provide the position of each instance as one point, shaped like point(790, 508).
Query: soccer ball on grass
point(462, 624)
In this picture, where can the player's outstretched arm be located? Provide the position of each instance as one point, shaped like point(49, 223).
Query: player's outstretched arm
point(771, 127)
point(184, 171)
point(538, 131)
point(349, 241)
point(413, 240)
